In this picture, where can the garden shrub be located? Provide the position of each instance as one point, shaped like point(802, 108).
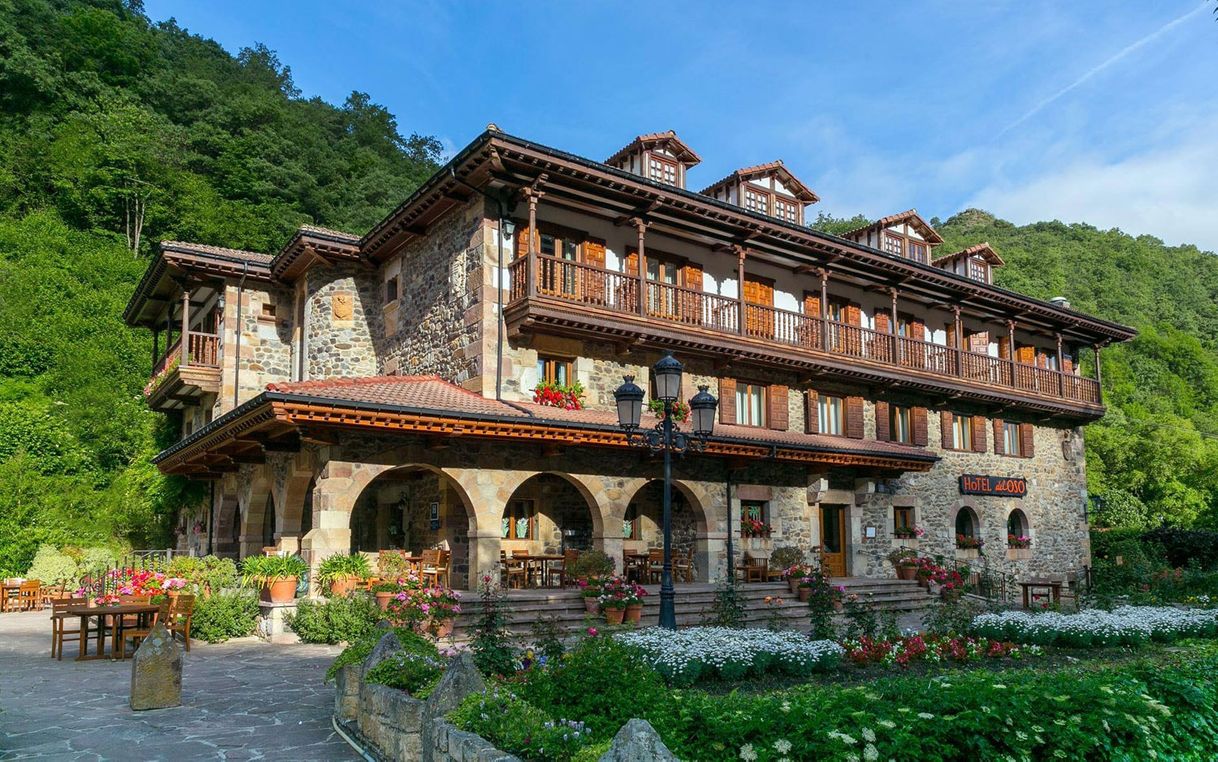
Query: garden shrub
point(206, 575)
point(491, 642)
point(601, 681)
point(727, 609)
point(344, 618)
point(360, 650)
point(415, 671)
point(523, 729)
point(50, 565)
point(222, 616)
point(1186, 547)
point(95, 561)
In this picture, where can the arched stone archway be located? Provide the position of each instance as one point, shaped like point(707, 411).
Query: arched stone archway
point(641, 523)
point(257, 502)
point(550, 512)
point(226, 534)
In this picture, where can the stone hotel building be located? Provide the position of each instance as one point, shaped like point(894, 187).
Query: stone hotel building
point(363, 392)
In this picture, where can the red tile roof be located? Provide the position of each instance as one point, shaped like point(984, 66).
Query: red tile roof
point(683, 151)
point(984, 249)
point(329, 232)
point(911, 216)
point(425, 392)
point(434, 394)
point(204, 249)
point(801, 191)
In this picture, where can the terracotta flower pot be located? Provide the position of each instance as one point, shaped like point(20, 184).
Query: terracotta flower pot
point(614, 616)
point(804, 594)
point(281, 590)
point(592, 605)
point(634, 613)
point(793, 583)
point(342, 587)
point(907, 572)
point(923, 582)
point(382, 600)
point(443, 628)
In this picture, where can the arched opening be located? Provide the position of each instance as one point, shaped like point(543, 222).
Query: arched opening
point(268, 522)
point(1018, 530)
point(643, 530)
point(306, 512)
point(546, 515)
point(968, 531)
point(227, 535)
point(412, 509)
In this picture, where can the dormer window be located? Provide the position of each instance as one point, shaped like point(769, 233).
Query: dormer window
point(786, 210)
point(756, 200)
point(662, 170)
point(979, 269)
point(917, 251)
point(894, 244)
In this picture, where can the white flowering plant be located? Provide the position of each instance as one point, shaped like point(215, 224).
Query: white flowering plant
point(1094, 628)
point(688, 655)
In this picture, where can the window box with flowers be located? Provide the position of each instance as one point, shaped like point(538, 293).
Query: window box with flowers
point(907, 537)
point(754, 528)
point(565, 396)
point(1018, 547)
point(968, 547)
point(680, 410)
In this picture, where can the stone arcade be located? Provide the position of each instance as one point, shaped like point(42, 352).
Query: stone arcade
point(378, 391)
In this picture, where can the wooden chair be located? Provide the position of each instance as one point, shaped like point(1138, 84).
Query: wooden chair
point(512, 571)
point(181, 609)
point(754, 569)
point(60, 634)
point(569, 557)
point(136, 634)
point(29, 595)
point(655, 565)
point(435, 566)
point(523, 557)
point(683, 566)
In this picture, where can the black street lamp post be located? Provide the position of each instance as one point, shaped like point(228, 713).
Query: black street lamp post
point(667, 438)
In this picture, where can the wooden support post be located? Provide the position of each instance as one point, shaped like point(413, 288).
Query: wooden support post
point(959, 342)
point(824, 309)
point(893, 328)
point(1061, 375)
point(531, 265)
point(1011, 352)
point(640, 225)
point(740, 253)
point(1099, 368)
point(184, 356)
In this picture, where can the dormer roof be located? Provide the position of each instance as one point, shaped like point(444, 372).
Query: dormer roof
point(774, 168)
point(910, 217)
point(981, 249)
point(666, 140)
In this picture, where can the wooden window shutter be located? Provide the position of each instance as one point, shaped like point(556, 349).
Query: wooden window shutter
point(997, 426)
point(727, 400)
point(811, 412)
point(691, 277)
point(854, 314)
point(1042, 359)
point(778, 415)
point(881, 321)
point(945, 430)
point(917, 330)
point(1026, 443)
point(978, 433)
point(594, 287)
point(632, 262)
point(1004, 347)
point(918, 424)
point(811, 304)
point(522, 241)
point(1026, 355)
point(951, 335)
point(689, 305)
point(883, 426)
point(854, 417)
point(979, 343)
point(1067, 365)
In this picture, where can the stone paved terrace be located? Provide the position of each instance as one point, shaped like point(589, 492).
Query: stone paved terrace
point(241, 700)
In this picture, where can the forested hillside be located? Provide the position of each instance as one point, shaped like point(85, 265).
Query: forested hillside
point(116, 132)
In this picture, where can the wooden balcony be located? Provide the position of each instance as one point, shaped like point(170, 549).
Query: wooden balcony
point(574, 299)
point(177, 383)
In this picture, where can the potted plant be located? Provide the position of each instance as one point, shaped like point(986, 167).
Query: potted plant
point(926, 570)
point(276, 575)
point(805, 589)
point(590, 590)
point(795, 574)
point(908, 533)
point(392, 564)
point(680, 409)
point(341, 572)
point(837, 593)
point(905, 561)
point(616, 595)
point(751, 527)
point(443, 605)
point(591, 565)
point(386, 591)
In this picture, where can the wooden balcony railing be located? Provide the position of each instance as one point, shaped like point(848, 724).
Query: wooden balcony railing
point(204, 352)
point(619, 292)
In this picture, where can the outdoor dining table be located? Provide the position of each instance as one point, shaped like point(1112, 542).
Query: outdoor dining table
point(636, 562)
point(113, 615)
point(539, 561)
point(1035, 588)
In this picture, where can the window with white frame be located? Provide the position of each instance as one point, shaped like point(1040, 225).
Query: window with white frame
point(1011, 442)
point(750, 404)
point(830, 412)
point(962, 432)
point(899, 424)
point(662, 170)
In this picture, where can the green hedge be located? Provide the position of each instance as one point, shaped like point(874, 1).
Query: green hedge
point(1167, 707)
point(348, 619)
point(224, 615)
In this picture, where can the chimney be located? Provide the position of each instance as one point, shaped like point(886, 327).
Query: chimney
point(1060, 301)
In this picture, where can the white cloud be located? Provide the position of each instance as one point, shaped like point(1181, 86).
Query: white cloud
point(1165, 191)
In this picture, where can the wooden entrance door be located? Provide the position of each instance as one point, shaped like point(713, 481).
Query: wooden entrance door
point(833, 540)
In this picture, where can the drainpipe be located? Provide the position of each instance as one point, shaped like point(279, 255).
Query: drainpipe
point(237, 344)
point(731, 552)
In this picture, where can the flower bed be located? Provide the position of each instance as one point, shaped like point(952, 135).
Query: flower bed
point(1128, 625)
point(686, 656)
point(933, 649)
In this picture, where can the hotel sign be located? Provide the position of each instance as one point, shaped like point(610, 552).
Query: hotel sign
point(1000, 486)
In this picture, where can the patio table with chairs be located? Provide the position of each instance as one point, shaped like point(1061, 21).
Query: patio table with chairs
point(131, 620)
point(526, 569)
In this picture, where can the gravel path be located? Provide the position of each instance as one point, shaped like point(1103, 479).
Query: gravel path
point(240, 700)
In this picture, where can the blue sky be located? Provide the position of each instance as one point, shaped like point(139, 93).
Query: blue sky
point(1103, 112)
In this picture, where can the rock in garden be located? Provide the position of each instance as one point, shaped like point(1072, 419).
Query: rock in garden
point(156, 671)
point(387, 646)
point(637, 741)
point(460, 679)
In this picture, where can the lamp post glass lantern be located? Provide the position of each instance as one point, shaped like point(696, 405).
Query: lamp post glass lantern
point(666, 438)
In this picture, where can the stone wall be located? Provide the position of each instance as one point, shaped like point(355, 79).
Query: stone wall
point(342, 314)
point(264, 354)
point(435, 325)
